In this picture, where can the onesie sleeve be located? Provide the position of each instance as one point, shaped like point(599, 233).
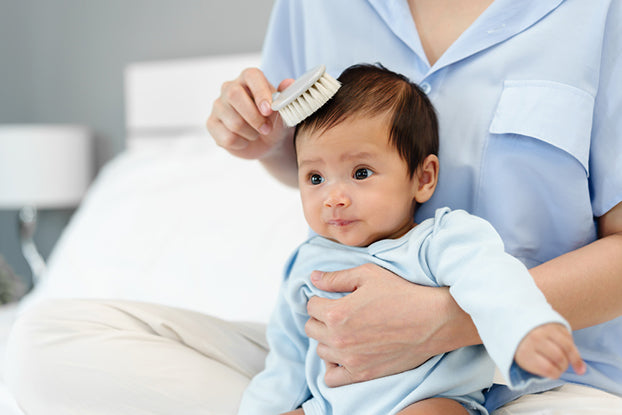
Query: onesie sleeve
point(282, 385)
point(465, 253)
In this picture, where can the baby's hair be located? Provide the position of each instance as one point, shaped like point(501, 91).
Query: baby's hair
point(371, 90)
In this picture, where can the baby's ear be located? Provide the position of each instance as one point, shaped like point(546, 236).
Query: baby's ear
point(426, 178)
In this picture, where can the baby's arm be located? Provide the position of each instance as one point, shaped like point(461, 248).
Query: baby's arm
point(470, 258)
point(548, 350)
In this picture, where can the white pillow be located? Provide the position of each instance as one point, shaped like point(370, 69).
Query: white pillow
point(185, 225)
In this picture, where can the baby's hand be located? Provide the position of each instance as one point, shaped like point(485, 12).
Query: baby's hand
point(547, 351)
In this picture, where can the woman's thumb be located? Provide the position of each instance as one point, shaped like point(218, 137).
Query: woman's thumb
point(337, 281)
point(285, 83)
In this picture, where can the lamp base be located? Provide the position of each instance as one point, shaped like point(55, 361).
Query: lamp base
point(27, 219)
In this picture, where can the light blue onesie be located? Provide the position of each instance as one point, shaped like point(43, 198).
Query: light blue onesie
point(452, 249)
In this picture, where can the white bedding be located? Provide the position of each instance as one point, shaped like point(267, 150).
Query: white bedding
point(185, 225)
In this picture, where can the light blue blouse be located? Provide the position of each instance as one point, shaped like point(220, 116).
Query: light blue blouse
point(529, 101)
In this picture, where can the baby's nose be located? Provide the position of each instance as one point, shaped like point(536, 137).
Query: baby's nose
point(337, 197)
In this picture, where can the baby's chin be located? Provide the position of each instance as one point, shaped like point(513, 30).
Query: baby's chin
point(357, 233)
point(362, 241)
point(354, 241)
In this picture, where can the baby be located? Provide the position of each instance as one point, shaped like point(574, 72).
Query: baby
point(366, 160)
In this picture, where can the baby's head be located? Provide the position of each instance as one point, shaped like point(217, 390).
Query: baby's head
point(367, 157)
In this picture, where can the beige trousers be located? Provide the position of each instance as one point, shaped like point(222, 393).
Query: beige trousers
point(88, 357)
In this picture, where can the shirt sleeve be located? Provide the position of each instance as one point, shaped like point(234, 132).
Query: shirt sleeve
point(465, 253)
point(606, 144)
point(282, 385)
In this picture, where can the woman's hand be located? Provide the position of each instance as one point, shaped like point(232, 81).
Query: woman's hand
point(387, 325)
point(243, 123)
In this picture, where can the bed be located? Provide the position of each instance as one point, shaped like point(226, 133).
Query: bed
point(174, 219)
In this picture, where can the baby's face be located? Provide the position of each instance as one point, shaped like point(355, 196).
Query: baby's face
point(355, 188)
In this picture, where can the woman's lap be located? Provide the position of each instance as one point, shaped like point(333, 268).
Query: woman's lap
point(569, 399)
point(121, 357)
point(103, 357)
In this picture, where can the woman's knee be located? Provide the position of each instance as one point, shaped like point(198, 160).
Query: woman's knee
point(43, 339)
point(47, 324)
point(64, 353)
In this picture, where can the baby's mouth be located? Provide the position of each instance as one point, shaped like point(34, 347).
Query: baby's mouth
point(340, 222)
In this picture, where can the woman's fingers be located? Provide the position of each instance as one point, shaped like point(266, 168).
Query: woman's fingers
point(241, 120)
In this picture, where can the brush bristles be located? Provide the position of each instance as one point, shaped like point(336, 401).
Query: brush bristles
point(310, 101)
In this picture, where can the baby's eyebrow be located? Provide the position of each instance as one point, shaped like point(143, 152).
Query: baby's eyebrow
point(303, 162)
point(357, 156)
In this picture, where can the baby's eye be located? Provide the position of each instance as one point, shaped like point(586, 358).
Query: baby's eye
point(362, 174)
point(316, 179)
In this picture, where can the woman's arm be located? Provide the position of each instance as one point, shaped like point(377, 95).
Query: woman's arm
point(370, 333)
point(281, 161)
point(585, 285)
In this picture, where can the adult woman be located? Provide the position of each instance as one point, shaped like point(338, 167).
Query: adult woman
point(523, 99)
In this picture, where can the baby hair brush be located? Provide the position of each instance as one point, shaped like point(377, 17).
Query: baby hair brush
point(305, 96)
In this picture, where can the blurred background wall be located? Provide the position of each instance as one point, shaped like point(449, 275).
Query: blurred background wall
point(61, 61)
